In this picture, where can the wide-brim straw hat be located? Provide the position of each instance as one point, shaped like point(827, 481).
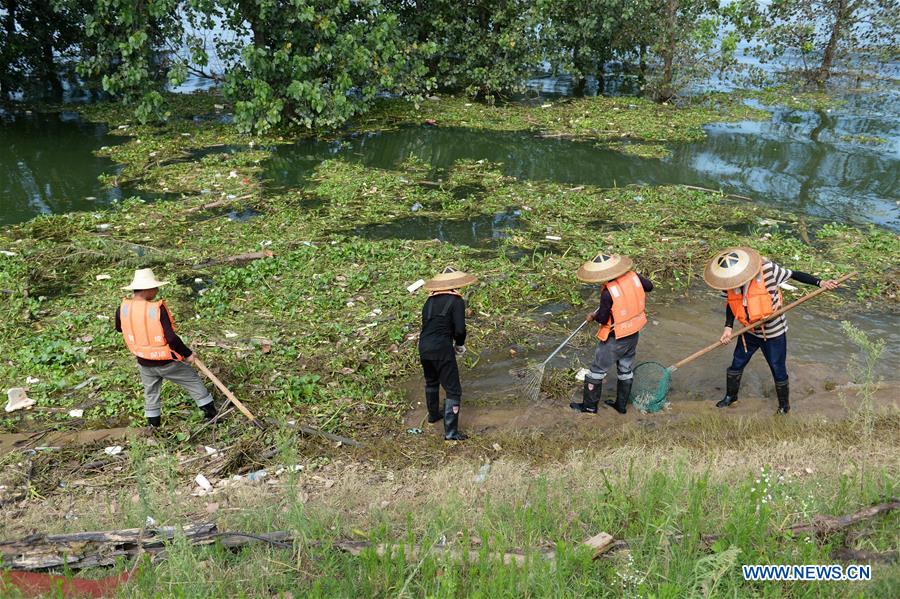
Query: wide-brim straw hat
point(603, 268)
point(448, 279)
point(732, 267)
point(144, 279)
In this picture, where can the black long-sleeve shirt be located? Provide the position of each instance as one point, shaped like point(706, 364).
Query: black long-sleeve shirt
point(443, 324)
point(604, 312)
point(775, 275)
point(172, 338)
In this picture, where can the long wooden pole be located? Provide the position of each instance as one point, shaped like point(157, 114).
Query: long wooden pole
point(755, 325)
point(227, 393)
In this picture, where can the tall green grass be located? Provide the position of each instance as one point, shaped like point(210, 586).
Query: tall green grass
point(662, 512)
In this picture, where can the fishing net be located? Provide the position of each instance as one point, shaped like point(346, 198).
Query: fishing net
point(651, 385)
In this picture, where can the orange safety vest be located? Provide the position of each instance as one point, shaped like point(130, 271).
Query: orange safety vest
point(142, 329)
point(758, 300)
point(627, 316)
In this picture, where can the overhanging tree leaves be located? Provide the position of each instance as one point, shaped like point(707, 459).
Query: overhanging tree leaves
point(864, 33)
point(484, 48)
point(315, 63)
point(125, 51)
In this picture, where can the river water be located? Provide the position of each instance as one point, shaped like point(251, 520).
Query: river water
point(810, 162)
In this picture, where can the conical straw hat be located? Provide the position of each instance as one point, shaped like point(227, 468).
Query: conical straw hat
point(144, 279)
point(732, 267)
point(450, 278)
point(604, 267)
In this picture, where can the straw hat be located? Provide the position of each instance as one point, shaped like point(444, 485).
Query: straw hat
point(732, 267)
point(450, 278)
point(603, 268)
point(144, 279)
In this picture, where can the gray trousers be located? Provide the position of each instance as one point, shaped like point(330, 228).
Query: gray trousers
point(179, 373)
point(620, 352)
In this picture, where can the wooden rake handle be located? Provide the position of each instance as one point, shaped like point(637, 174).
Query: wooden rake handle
point(227, 393)
point(755, 325)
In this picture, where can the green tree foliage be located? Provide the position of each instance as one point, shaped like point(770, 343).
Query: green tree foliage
point(688, 41)
point(36, 37)
point(823, 32)
point(314, 63)
point(580, 36)
point(125, 51)
point(483, 48)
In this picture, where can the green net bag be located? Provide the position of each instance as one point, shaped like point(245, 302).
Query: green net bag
point(651, 386)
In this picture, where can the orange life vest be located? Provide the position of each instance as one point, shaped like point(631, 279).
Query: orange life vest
point(758, 299)
point(627, 316)
point(142, 329)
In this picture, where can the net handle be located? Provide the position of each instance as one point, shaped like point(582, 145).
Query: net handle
point(756, 324)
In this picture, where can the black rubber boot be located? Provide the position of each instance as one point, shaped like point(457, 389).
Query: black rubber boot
point(154, 421)
point(451, 421)
point(732, 386)
point(623, 390)
point(782, 389)
point(589, 398)
point(433, 403)
point(209, 410)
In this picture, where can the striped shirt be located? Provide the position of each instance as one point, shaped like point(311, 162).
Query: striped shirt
point(774, 275)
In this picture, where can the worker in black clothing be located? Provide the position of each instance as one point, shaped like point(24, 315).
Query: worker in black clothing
point(441, 341)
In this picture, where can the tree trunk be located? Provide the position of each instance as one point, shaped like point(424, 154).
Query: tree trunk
point(578, 75)
point(665, 92)
point(642, 64)
point(51, 76)
point(837, 30)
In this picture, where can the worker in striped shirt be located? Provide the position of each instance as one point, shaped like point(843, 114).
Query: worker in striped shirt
point(752, 290)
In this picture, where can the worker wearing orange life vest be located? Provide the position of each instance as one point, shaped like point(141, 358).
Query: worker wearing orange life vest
point(621, 317)
point(752, 292)
point(147, 329)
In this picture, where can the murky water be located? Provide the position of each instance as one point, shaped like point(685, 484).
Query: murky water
point(812, 162)
point(804, 161)
point(476, 231)
point(47, 165)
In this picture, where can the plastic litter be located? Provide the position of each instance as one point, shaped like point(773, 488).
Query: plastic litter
point(17, 399)
point(113, 450)
point(203, 482)
point(415, 286)
point(483, 473)
point(103, 277)
point(76, 413)
point(579, 376)
point(257, 476)
point(553, 238)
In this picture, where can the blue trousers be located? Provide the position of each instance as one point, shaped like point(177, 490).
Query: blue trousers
point(774, 349)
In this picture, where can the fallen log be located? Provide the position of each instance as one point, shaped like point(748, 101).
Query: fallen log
point(236, 259)
point(91, 549)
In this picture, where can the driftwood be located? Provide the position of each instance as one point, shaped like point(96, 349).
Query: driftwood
point(236, 259)
point(91, 549)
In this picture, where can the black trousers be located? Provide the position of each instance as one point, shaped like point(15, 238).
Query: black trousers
point(441, 371)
